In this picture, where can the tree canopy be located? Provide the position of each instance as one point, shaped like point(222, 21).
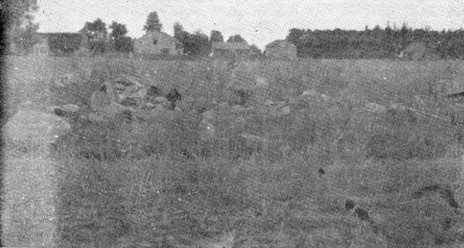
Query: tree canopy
point(20, 27)
point(94, 28)
point(118, 30)
point(216, 36)
point(196, 44)
point(377, 42)
point(153, 22)
point(64, 43)
point(179, 32)
point(236, 38)
point(96, 33)
point(119, 41)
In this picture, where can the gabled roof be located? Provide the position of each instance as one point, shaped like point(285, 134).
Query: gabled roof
point(69, 41)
point(159, 33)
point(230, 45)
point(280, 43)
point(69, 34)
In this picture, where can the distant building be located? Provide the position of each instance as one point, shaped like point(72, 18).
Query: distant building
point(230, 49)
point(281, 49)
point(59, 44)
point(157, 43)
point(418, 51)
point(41, 47)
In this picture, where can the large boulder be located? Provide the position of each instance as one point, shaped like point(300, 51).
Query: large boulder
point(105, 105)
point(66, 110)
point(247, 84)
point(31, 128)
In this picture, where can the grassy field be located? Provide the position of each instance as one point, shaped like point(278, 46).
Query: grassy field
point(324, 165)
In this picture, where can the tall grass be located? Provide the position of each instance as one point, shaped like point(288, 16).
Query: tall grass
point(158, 183)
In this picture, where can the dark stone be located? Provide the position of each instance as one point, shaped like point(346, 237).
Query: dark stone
point(173, 96)
point(362, 214)
point(154, 91)
point(444, 192)
point(349, 204)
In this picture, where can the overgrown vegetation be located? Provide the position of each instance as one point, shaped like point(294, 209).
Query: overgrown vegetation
point(332, 175)
point(374, 43)
point(64, 43)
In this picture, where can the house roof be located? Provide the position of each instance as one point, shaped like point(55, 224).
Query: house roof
point(151, 33)
point(230, 45)
point(71, 40)
point(67, 36)
point(57, 33)
point(280, 43)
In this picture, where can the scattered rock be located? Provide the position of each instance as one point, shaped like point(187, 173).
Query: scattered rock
point(35, 128)
point(207, 130)
point(208, 115)
point(238, 109)
point(268, 103)
point(187, 104)
point(67, 110)
point(65, 79)
point(254, 142)
point(284, 111)
point(173, 97)
point(362, 214)
point(261, 82)
point(224, 241)
point(71, 108)
point(160, 100)
point(375, 108)
point(325, 97)
point(349, 204)
point(397, 106)
point(311, 93)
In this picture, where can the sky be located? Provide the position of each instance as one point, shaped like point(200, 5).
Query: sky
point(258, 21)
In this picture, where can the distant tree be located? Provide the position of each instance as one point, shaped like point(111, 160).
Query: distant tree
point(65, 43)
point(124, 44)
point(389, 43)
point(255, 52)
point(96, 33)
point(404, 35)
point(96, 28)
point(179, 32)
point(196, 44)
point(216, 36)
point(153, 23)
point(180, 35)
point(20, 28)
point(236, 38)
point(294, 35)
point(119, 41)
point(201, 42)
point(117, 30)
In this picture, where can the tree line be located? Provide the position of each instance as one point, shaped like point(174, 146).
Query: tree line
point(20, 29)
point(100, 40)
point(374, 43)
